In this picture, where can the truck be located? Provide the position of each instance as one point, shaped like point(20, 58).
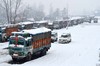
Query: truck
point(95, 20)
point(26, 43)
point(6, 30)
point(54, 36)
point(25, 25)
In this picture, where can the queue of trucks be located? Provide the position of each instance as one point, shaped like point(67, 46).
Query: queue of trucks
point(25, 41)
point(6, 30)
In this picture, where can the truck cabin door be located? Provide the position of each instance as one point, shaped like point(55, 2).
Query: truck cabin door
point(28, 43)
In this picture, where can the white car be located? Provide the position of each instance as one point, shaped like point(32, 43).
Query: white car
point(65, 38)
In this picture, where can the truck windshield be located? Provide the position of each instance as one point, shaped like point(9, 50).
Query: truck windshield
point(19, 42)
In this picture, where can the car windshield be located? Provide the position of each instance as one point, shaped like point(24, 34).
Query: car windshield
point(64, 36)
point(19, 42)
point(52, 34)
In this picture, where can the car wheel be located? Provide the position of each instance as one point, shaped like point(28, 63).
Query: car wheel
point(70, 40)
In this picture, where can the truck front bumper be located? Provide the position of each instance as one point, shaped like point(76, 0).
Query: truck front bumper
point(18, 56)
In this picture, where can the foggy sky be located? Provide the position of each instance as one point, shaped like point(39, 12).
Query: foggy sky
point(74, 6)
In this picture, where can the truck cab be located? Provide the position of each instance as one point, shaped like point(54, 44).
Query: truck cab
point(19, 45)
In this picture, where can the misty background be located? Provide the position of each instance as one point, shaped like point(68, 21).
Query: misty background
point(14, 11)
point(75, 7)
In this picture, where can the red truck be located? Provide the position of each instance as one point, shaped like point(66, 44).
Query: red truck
point(5, 31)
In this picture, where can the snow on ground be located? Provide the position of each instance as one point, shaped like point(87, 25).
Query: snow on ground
point(82, 51)
point(4, 56)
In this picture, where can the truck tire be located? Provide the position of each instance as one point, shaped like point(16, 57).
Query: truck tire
point(14, 59)
point(3, 40)
point(28, 57)
point(43, 52)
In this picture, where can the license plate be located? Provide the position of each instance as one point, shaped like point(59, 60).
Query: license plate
point(15, 54)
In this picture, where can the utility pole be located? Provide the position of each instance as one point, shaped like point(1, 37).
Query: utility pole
point(67, 11)
point(68, 15)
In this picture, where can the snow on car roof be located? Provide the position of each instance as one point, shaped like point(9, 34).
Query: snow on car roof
point(38, 30)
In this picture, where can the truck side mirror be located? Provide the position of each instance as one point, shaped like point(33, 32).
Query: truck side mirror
point(27, 44)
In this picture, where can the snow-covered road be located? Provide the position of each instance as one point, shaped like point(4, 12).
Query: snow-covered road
point(82, 51)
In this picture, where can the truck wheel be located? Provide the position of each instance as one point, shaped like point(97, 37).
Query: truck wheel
point(4, 40)
point(29, 57)
point(14, 59)
point(43, 52)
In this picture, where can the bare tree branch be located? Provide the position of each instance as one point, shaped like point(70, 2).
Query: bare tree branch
point(11, 9)
point(7, 9)
point(18, 2)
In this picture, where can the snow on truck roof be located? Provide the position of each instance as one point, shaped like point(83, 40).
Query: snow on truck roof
point(37, 31)
point(41, 21)
point(50, 23)
point(25, 23)
point(17, 32)
point(74, 18)
point(10, 25)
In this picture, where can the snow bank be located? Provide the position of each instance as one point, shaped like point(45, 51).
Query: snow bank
point(82, 51)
